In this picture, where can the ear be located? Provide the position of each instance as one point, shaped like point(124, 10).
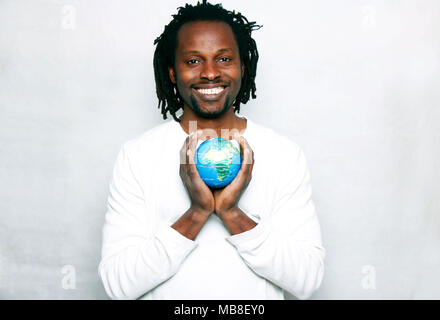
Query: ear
point(242, 70)
point(172, 75)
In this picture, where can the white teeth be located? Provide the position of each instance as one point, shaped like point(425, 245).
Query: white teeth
point(211, 90)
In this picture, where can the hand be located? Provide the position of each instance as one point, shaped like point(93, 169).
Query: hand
point(201, 196)
point(226, 199)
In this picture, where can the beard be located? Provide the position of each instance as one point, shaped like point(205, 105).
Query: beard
point(195, 107)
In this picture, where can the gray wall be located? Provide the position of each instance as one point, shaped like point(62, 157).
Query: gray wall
point(355, 83)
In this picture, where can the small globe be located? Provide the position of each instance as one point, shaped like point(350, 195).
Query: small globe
point(218, 161)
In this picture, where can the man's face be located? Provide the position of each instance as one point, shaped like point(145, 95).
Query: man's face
point(207, 69)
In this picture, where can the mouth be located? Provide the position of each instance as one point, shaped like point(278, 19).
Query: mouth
point(210, 94)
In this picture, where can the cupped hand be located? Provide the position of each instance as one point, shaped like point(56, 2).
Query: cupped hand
point(226, 198)
point(201, 196)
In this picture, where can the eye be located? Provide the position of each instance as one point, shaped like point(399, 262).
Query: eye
point(225, 59)
point(192, 61)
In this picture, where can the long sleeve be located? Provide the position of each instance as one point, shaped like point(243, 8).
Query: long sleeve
point(134, 258)
point(285, 247)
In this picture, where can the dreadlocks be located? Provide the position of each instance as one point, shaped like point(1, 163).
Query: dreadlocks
point(164, 55)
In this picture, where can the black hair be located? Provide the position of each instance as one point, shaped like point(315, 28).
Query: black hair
point(164, 55)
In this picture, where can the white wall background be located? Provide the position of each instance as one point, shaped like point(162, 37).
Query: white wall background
point(355, 83)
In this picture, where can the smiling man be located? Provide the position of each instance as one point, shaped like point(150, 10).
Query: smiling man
point(167, 235)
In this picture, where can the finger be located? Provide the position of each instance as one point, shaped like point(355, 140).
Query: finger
point(191, 151)
point(237, 137)
point(184, 150)
point(247, 154)
point(244, 174)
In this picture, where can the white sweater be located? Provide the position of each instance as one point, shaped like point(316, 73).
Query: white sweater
point(144, 258)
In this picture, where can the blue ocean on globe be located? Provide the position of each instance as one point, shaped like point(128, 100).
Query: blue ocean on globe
point(218, 161)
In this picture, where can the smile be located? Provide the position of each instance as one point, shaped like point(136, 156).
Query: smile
point(210, 91)
point(210, 94)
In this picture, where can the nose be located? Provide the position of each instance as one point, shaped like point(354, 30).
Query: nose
point(209, 71)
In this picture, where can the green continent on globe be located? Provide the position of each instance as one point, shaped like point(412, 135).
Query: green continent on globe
point(222, 170)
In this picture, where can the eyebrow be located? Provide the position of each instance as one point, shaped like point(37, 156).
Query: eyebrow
point(196, 52)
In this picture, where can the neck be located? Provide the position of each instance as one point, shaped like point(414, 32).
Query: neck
point(224, 126)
